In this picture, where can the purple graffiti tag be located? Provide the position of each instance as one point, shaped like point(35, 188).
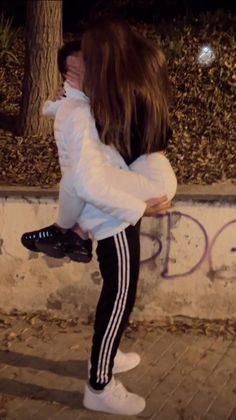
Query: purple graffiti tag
point(167, 258)
point(156, 253)
point(217, 273)
point(175, 216)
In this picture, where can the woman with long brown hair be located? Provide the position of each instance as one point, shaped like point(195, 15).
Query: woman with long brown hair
point(126, 87)
point(126, 81)
point(126, 84)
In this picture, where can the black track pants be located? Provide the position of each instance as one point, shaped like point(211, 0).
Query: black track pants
point(119, 260)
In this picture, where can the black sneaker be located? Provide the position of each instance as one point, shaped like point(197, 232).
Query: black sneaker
point(67, 244)
point(78, 249)
point(29, 239)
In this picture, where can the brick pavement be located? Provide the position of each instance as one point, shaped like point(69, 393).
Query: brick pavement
point(182, 376)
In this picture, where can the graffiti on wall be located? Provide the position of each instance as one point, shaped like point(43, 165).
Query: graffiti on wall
point(180, 245)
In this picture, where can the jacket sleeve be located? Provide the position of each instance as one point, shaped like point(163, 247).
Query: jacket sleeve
point(89, 175)
point(50, 108)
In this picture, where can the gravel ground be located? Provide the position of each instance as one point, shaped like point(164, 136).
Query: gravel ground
point(203, 148)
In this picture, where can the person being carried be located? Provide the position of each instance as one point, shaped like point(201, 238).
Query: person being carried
point(96, 173)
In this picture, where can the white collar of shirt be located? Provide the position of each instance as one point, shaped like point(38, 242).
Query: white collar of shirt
point(73, 93)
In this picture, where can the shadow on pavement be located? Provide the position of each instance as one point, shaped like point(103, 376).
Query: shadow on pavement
point(32, 391)
point(74, 368)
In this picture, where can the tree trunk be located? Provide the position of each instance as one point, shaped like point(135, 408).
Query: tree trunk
point(41, 78)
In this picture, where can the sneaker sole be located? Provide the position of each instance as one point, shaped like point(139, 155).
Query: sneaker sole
point(53, 254)
point(77, 258)
point(31, 249)
point(110, 411)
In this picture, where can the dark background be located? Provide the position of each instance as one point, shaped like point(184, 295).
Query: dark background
point(150, 11)
point(203, 147)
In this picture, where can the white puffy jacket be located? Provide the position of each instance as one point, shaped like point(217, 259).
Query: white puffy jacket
point(81, 155)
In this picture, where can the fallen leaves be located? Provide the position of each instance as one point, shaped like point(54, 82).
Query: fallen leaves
point(25, 327)
point(3, 410)
point(186, 325)
point(75, 347)
point(203, 148)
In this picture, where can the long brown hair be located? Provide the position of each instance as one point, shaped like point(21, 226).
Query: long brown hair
point(123, 69)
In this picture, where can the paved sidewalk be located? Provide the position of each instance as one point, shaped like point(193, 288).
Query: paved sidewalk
point(43, 368)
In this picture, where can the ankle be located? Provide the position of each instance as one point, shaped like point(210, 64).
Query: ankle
point(77, 229)
point(95, 391)
point(63, 230)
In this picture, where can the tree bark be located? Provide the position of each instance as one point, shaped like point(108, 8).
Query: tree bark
point(41, 77)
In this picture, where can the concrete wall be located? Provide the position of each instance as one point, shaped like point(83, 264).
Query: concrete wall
point(188, 261)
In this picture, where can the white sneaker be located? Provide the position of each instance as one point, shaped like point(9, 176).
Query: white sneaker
point(114, 399)
point(124, 361)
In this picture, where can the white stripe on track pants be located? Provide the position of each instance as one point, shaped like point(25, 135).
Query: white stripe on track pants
point(119, 260)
